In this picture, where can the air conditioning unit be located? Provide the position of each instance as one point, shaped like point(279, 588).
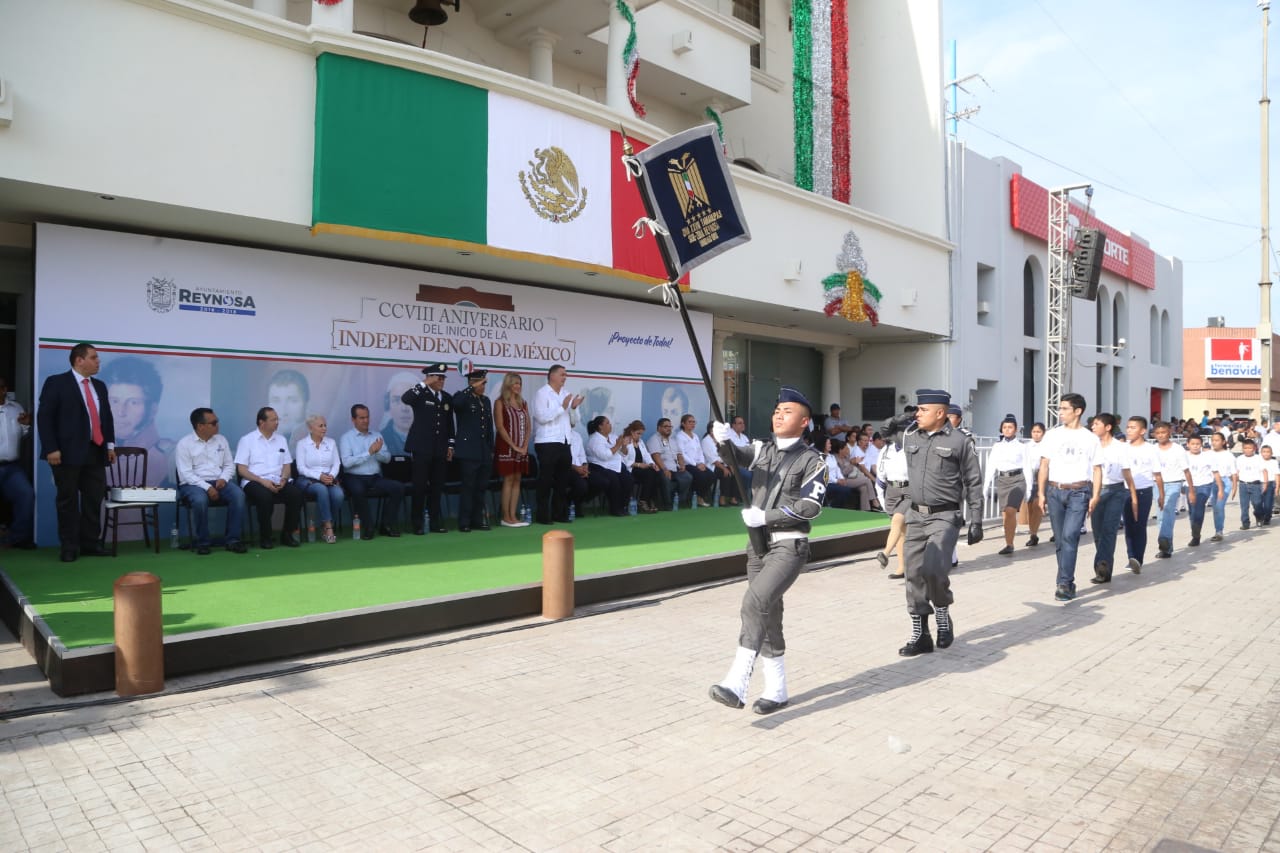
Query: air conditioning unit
point(1217, 322)
point(682, 42)
point(984, 307)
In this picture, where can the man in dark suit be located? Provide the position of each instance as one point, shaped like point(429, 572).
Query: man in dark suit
point(473, 449)
point(77, 439)
point(430, 440)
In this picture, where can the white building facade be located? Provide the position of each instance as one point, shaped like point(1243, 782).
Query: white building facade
point(1126, 348)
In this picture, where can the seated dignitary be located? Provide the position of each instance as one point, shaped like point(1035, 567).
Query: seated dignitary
point(578, 487)
point(838, 427)
point(739, 438)
point(206, 475)
point(864, 494)
point(363, 451)
point(689, 454)
point(724, 474)
point(318, 463)
point(264, 464)
point(644, 469)
point(606, 471)
point(676, 482)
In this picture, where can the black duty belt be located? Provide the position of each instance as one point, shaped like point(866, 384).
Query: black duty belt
point(897, 484)
point(1010, 472)
point(935, 508)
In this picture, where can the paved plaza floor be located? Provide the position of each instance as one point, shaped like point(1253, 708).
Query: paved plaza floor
point(1141, 716)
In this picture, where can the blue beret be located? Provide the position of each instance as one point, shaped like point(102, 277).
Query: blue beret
point(437, 369)
point(787, 394)
point(953, 409)
point(932, 397)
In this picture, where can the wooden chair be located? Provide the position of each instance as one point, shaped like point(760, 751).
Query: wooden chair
point(130, 472)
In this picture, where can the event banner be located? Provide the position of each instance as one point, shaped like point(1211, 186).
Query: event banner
point(182, 324)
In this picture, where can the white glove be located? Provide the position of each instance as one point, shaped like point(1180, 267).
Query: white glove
point(753, 516)
point(720, 432)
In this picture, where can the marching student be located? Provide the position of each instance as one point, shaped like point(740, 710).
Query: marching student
point(1009, 476)
point(1144, 463)
point(1205, 482)
point(1175, 472)
point(1070, 481)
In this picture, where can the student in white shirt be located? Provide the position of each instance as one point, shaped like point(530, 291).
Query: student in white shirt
point(1205, 482)
point(1224, 464)
point(1253, 478)
point(1034, 514)
point(1116, 490)
point(1069, 483)
point(1144, 463)
point(1272, 464)
point(1008, 476)
point(1174, 470)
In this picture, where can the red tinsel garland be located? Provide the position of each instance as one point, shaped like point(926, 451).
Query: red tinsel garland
point(328, 2)
point(840, 130)
point(631, 90)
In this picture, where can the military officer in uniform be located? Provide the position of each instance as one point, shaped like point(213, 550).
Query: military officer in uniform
point(943, 473)
point(955, 416)
point(788, 481)
point(473, 448)
point(430, 440)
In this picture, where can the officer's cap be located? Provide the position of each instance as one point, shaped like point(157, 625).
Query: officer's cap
point(953, 409)
point(835, 407)
point(437, 369)
point(478, 373)
point(787, 394)
point(932, 397)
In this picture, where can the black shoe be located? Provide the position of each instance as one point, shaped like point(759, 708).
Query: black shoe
point(366, 535)
point(69, 555)
point(1244, 526)
point(439, 530)
point(462, 530)
point(565, 520)
point(1101, 573)
point(922, 646)
point(1005, 551)
point(1033, 541)
point(484, 525)
point(94, 550)
point(1194, 543)
point(289, 540)
point(542, 519)
point(896, 576)
point(767, 706)
point(267, 544)
point(946, 636)
point(237, 547)
point(390, 532)
point(955, 563)
point(24, 545)
point(418, 531)
point(1135, 566)
point(1053, 538)
point(1165, 548)
point(202, 550)
point(1062, 593)
point(883, 559)
point(725, 696)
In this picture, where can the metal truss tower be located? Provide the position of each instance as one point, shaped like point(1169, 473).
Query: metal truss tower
point(1058, 328)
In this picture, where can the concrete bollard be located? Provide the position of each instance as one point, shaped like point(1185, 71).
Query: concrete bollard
point(139, 634)
point(557, 574)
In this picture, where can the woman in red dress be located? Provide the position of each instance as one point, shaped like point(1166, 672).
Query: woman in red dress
point(511, 450)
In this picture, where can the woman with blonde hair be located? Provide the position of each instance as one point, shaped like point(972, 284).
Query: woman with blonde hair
point(511, 450)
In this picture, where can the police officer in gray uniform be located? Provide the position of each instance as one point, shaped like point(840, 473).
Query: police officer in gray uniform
point(942, 473)
point(788, 481)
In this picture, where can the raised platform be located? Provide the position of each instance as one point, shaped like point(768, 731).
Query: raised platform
point(91, 668)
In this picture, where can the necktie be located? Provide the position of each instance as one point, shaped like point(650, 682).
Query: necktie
point(94, 421)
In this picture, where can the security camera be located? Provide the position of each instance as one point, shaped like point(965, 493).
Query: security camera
point(1120, 342)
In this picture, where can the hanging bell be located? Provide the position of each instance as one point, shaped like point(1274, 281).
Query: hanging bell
point(427, 13)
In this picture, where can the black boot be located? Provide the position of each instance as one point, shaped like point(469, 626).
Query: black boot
point(1165, 547)
point(921, 641)
point(1195, 536)
point(1102, 572)
point(946, 628)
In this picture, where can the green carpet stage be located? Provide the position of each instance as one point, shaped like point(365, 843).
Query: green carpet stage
point(229, 609)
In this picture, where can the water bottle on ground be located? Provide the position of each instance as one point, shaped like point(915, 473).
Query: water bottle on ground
point(355, 528)
point(173, 537)
point(631, 508)
point(426, 521)
point(573, 512)
point(526, 514)
point(311, 530)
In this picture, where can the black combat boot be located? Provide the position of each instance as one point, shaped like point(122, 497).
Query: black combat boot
point(921, 641)
point(946, 628)
point(1195, 536)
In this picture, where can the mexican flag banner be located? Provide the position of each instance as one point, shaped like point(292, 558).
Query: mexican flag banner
point(402, 155)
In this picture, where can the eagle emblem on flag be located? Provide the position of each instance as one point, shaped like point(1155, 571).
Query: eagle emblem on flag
point(686, 182)
point(551, 185)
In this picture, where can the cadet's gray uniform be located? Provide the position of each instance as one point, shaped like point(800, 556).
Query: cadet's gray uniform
point(942, 472)
point(788, 485)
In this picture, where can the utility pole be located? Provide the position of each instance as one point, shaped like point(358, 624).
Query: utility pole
point(1264, 283)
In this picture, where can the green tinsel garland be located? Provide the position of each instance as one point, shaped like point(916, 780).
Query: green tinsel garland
point(802, 91)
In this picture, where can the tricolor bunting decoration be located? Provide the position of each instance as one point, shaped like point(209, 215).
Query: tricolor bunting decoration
point(820, 94)
point(631, 58)
point(849, 292)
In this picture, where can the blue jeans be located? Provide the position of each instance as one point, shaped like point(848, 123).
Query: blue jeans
point(1250, 494)
point(1107, 517)
point(1168, 515)
point(1204, 496)
point(1135, 527)
point(326, 497)
point(1268, 501)
point(1067, 508)
point(16, 489)
point(231, 496)
point(1220, 508)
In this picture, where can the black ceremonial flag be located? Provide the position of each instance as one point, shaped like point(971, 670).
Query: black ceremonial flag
point(688, 188)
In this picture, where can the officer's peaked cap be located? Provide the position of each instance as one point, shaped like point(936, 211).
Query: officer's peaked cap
point(932, 397)
point(437, 369)
point(787, 394)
